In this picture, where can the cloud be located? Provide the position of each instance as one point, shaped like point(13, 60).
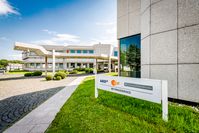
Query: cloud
point(49, 32)
point(65, 37)
point(110, 33)
point(6, 8)
point(15, 56)
point(44, 42)
point(3, 39)
point(57, 38)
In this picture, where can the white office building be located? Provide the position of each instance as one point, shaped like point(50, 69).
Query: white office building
point(40, 57)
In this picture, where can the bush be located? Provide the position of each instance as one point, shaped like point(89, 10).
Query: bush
point(28, 74)
point(64, 71)
point(79, 69)
point(61, 74)
point(49, 77)
point(58, 78)
point(99, 71)
point(89, 70)
point(74, 72)
point(37, 73)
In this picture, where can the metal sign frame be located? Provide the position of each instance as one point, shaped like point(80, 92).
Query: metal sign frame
point(146, 89)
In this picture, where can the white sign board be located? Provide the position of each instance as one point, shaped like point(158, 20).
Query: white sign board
point(146, 89)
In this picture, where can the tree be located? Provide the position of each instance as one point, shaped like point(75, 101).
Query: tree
point(3, 63)
point(122, 59)
point(133, 57)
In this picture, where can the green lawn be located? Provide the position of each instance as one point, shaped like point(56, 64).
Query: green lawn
point(112, 74)
point(22, 72)
point(116, 113)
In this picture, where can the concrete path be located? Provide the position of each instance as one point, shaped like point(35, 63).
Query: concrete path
point(40, 118)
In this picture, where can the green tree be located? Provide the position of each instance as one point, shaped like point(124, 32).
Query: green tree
point(133, 57)
point(3, 63)
point(123, 59)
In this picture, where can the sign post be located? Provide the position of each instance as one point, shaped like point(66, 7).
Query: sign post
point(146, 89)
point(165, 100)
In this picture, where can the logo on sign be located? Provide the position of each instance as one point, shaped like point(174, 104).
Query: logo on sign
point(114, 83)
point(103, 81)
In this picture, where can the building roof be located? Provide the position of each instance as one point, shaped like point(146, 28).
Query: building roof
point(41, 51)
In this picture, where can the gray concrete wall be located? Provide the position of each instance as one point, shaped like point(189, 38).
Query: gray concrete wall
point(128, 18)
point(169, 42)
point(170, 45)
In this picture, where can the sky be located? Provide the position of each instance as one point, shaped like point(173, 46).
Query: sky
point(55, 22)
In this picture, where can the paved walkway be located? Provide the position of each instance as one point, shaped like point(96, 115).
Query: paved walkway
point(14, 108)
point(40, 118)
point(12, 85)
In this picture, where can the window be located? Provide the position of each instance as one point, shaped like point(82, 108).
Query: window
point(61, 65)
point(60, 51)
point(72, 51)
point(130, 56)
point(38, 65)
point(79, 51)
point(90, 65)
point(91, 51)
point(78, 65)
point(115, 53)
point(72, 65)
point(85, 51)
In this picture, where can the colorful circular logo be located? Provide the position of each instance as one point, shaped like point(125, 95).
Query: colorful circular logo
point(114, 82)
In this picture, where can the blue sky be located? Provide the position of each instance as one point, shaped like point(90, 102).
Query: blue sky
point(55, 22)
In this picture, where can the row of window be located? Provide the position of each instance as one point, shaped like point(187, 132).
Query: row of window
point(81, 51)
point(60, 65)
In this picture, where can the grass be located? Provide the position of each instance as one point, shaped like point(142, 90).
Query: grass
point(81, 72)
point(112, 74)
point(117, 113)
point(21, 72)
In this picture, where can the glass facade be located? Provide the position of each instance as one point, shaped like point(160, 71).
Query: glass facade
point(130, 56)
point(72, 51)
point(115, 53)
point(85, 51)
point(91, 51)
point(79, 51)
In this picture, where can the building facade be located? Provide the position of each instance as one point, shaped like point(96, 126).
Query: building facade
point(162, 36)
point(33, 61)
point(14, 66)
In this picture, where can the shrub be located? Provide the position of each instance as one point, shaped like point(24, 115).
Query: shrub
point(63, 71)
point(61, 74)
point(89, 70)
point(99, 71)
point(79, 69)
point(74, 72)
point(49, 77)
point(66, 73)
point(28, 74)
point(58, 78)
point(37, 73)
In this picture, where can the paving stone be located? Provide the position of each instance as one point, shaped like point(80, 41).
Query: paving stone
point(14, 108)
